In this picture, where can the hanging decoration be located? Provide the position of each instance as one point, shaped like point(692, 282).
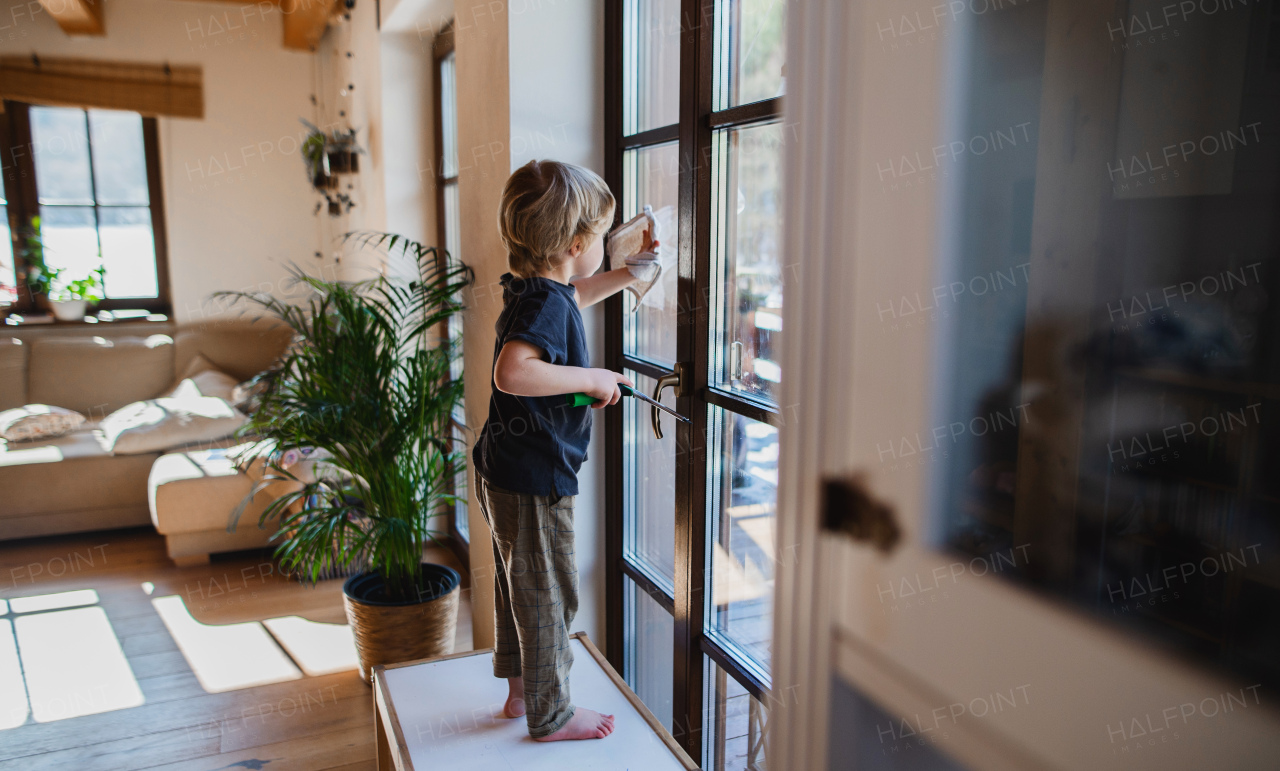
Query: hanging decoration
point(328, 157)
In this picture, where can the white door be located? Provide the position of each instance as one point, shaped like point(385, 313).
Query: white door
point(1035, 324)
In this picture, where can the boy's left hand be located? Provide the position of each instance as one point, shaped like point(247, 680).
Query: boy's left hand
point(645, 266)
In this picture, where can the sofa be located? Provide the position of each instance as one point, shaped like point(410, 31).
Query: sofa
point(71, 483)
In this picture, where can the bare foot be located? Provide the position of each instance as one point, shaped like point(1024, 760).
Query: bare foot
point(585, 724)
point(514, 705)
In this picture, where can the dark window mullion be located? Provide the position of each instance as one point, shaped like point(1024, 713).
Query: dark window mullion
point(643, 579)
point(759, 411)
point(748, 114)
point(645, 367)
point(736, 664)
point(24, 197)
point(93, 188)
point(656, 136)
point(696, 63)
point(615, 624)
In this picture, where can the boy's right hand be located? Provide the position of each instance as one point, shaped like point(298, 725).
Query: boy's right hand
point(603, 385)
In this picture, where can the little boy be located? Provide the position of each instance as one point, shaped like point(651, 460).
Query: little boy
point(552, 218)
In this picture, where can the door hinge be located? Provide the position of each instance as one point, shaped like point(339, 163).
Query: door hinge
point(849, 508)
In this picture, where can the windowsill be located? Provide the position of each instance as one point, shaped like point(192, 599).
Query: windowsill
point(32, 320)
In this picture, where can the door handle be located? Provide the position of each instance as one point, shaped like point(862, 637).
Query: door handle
point(674, 380)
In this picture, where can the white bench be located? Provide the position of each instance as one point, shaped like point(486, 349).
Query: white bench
point(446, 713)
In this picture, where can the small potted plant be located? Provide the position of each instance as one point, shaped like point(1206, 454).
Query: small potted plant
point(34, 274)
point(328, 155)
point(70, 299)
point(367, 386)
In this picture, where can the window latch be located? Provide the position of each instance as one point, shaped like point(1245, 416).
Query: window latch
point(675, 380)
point(735, 361)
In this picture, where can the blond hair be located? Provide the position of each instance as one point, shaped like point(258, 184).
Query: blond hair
point(545, 206)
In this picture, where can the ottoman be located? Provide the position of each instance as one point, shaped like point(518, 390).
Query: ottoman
point(192, 495)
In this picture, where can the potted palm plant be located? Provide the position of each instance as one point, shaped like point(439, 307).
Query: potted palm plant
point(367, 386)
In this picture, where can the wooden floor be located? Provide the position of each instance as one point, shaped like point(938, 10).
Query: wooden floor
point(179, 725)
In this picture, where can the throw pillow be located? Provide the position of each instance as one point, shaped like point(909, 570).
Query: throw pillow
point(38, 421)
point(247, 395)
point(202, 378)
point(162, 424)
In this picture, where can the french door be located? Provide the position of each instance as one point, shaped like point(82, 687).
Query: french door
point(694, 100)
point(1035, 349)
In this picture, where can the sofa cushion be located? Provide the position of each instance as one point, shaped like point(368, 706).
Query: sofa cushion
point(13, 373)
point(97, 375)
point(38, 421)
point(67, 474)
point(240, 348)
point(202, 378)
point(169, 422)
point(198, 490)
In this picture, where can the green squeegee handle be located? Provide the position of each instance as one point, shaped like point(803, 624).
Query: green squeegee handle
point(582, 400)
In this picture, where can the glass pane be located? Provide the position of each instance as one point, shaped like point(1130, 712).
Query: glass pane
point(61, 146)
point(461, 523)
point(128, 252)
point(863, 737)
point(746, 227)
point(1109, 435)
point(119, 158)
point(70, 240)
point(649, 491)
point(449, 115)
point(735, 725)
point(742, 495)
point(455, 328)
point(651, 64)
point(652, 176)
point(650, 635)
point(750, 51)
point(8, 267)
point(452, 223)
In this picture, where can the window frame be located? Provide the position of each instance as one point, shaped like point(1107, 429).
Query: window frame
point(698, 122)
point(441, 46)
point(24, 203)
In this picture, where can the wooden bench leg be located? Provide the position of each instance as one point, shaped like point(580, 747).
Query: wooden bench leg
point(385, 761)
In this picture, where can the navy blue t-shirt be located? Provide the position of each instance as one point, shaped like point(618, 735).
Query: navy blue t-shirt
point(535, 444)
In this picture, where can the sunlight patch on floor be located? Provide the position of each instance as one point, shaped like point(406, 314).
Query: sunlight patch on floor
point(320, 649)
point(54, 601)
point(73, 664)
point(13, 692)
point(225, 658)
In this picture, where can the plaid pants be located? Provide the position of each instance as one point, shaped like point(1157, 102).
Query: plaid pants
point(535, 598)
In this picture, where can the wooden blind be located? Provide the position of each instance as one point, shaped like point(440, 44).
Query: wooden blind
point(149, 89)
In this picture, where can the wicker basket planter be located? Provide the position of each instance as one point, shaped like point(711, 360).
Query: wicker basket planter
point(391, 632)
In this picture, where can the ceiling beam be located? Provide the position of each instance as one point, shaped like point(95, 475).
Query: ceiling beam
point(77, 17)
point(305, 22)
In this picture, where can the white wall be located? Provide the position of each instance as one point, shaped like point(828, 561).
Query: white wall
point(238, 205)
point(557, 113)
point(530, 84)
point(361, 107)
point(408, 119)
